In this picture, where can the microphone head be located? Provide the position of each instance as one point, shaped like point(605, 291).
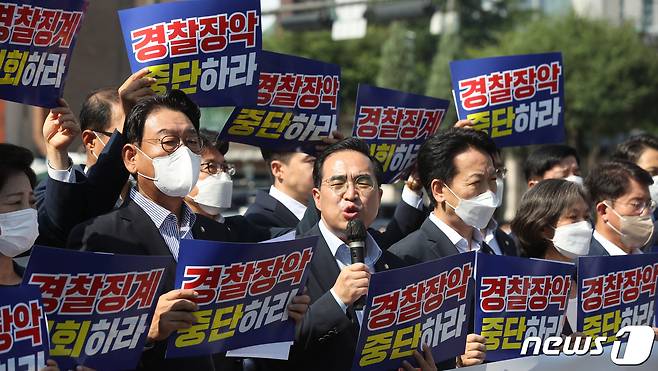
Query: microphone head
point(355, 231)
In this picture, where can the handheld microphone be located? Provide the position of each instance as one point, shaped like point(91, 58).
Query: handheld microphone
point(356, 241)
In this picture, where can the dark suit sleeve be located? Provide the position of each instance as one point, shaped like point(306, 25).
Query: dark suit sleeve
point(406, 220)
point(107, 177)
point(323, 316)
point(405, 257)
point(60, 207)
point(63, 205)
point(309, 220)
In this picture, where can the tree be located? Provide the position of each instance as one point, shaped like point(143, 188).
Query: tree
point(610, 75)
point(439, 85)
point(397, 63)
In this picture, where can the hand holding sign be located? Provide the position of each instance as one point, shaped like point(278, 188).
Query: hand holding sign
point(352, 283)
point(476, 351)
point(60, 129)
point(298, 307)
point(136, 87)
point(173, 312)
point(425, 361)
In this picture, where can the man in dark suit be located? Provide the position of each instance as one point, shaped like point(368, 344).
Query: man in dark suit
point(552, 161)
point(347, 186)
point(286, 204)
point(162, 154)
point(74, 193)
point(643, 151)
point(457, 171)
point(623, 204)
point(213, 191)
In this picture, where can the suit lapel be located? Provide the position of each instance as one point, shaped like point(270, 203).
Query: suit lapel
point(437, 241)
point(279, 211)
point(323, 265)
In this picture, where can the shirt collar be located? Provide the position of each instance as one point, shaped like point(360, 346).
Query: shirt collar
point(610, 247)
point(159, 214)
point(373, 251)
point(460, 242)
point(290, 203)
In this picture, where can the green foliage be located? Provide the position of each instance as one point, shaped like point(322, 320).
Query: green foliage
point(610, 74)
point(397, 64)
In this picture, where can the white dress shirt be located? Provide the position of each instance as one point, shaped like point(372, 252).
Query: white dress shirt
point(341, 253)
point(460, 242)
point(290, 203)
point(610, 247)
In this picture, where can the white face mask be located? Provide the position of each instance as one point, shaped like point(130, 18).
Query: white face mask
point(572, 240)
point(477, 211)
point(18, 231)
point(177, 173)
point(653, 189)
point(100, 140)
point(500, 191)
point(215, 192)
point(635, 231)
point(575, 179)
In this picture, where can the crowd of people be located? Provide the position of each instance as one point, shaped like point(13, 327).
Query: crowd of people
point(153, 177)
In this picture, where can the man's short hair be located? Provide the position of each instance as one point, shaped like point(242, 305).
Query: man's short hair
point(544, 158)
point(348, 144)
point(632, 149)
point(436, 155)
point(15, 160)
point(270, 155)
point(96, 111)
point(210, 139)
point(175, 100)
point(611, 180)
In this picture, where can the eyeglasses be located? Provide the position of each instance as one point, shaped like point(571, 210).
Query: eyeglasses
point(106, 133)
point(170, 143)
point(639, 207)
point(213, 168)
point(501, 172)
point(363, 184)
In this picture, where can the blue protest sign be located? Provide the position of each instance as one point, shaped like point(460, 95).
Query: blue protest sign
point(208, 49)
point(427, 303)
point(99, 306)
point(518, 298)
point(395, 124)
point(244, 290)
point(518, 100)
point(23, 331)
point(614, 292)
point(297, 105)
point(36, 44)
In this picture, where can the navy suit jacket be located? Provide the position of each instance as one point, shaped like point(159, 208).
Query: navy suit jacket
point(506, 243)
point(61, 205)
point(327, 337)
point(426, 244)
point(267, 211)
point(596, 249)
point(129, 230)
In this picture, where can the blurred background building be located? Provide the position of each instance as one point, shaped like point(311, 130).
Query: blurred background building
point(609, 48)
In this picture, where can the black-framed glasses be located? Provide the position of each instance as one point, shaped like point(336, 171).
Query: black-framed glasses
point(638, 207)
point(170, 143)
point(213, 168)
point(363, 184)
point(106, 133)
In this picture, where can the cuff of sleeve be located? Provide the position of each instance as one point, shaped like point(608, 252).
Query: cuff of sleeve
point(60, 175)
point(412, 198)
point(340, 302)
